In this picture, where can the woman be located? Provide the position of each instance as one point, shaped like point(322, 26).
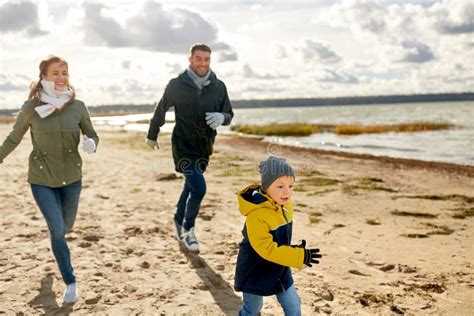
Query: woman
point(55, 119)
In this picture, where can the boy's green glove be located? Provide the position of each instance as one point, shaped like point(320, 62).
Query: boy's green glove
point(310, 255)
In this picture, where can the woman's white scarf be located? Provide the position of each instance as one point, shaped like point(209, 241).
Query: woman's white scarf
point(54, 99)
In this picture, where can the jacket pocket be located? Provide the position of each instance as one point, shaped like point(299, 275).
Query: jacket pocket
point(73, 163)
point(37, 165)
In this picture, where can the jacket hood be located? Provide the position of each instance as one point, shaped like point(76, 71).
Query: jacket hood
point(252, 197)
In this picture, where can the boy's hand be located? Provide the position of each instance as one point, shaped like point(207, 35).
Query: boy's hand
point(310, 255)
point(302, 245)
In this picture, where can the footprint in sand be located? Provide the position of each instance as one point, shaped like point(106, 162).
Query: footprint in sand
point(357, 272)
point(406, 269)
point(167, 177)
point(206, 216)
point(102, 196)
point(92, 299)
point(157, 230)
point(387, 267)
point(26, 236)
point(92, 238)
point(133, 231)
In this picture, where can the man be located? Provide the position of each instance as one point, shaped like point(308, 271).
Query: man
point(201, 104)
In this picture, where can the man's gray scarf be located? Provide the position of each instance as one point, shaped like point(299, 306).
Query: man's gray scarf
point(200, 82)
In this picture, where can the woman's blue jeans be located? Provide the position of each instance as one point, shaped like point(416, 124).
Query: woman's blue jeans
point(190, 200)
point(59, 208)
point(289, 300)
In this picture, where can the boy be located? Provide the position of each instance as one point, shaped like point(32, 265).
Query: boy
point(265, 254)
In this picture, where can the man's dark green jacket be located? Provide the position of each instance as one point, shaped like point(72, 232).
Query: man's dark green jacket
point(192, 139)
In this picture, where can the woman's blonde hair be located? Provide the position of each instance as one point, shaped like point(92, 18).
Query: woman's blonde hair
point(36, 87)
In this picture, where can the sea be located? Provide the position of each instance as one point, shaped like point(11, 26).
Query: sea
point(455, 145)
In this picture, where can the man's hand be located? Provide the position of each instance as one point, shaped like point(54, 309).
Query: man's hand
point(153, 144)
point(214, 119)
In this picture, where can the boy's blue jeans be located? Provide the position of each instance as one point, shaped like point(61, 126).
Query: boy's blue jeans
point(289, 300)
point(59, 208)
point(190, 200)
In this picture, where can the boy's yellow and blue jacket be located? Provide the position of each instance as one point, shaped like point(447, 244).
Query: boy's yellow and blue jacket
point(265, 253)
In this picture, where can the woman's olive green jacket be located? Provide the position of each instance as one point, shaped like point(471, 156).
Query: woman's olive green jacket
point(55, 160)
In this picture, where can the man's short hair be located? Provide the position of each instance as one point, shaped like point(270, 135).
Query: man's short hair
point(199, 46)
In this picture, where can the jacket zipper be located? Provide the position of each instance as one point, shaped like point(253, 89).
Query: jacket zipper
point(288, 236)
point(286, 220)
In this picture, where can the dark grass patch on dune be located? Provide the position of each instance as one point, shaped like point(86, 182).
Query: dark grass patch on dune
point(7, 119)
point(439, 229)
point(335, 226)
point(366, 184)
point(304, 172)
point(305, 129)
point(232, 165)
point(373, 184)
point(372, 222)
point(356, 129)
point(449, 197)
point(321, 192)
point(415, 235)
point(462, 213)
point(319, 181)
point(315, 217)
point(293, 129)
point(413, 214)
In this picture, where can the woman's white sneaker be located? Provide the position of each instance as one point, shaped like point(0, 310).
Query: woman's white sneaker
point(71, 294)
point(189, 240)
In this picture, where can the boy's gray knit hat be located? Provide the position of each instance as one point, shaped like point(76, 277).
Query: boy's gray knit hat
point(272, 168)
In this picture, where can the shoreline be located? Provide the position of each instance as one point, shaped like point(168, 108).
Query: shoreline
point(465, 170)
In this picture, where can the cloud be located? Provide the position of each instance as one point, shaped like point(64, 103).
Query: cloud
point(8, 86)
point(371, 17)
point(265, 89)
point(130, 88)
point(17, 17)
point(249, 73)
point(14, 82)
point(174, 68)
point(101, 30)
point(343, 77)
point(126, 64)
point(455, 17)
point(281, 52)
point(153, 29)
point(227, 56)
point(314, 51)
point(416, 52)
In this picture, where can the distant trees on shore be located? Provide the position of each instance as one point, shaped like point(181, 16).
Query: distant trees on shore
point(364, 100)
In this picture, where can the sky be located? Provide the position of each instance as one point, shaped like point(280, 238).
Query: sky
point(125, 52)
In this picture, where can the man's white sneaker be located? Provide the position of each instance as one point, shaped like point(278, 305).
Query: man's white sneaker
point(189, 240)
point(179, 229)
point(71, 294)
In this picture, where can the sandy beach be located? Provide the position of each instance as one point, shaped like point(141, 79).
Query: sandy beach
point(396, 235)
